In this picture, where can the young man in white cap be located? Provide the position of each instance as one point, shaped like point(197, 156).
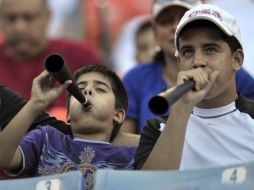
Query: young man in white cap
point(145, 81)
point(211, 125)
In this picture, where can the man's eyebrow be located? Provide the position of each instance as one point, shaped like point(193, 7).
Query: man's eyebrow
point(184, 47)
point(211, 44)
point(204, 45)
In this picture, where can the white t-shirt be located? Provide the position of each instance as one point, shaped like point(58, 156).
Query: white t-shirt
point(217, 137)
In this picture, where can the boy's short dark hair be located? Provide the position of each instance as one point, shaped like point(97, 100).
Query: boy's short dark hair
point(118, 89)
point(230, 40)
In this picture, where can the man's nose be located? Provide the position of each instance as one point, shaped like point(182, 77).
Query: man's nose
point(199, 60)
point(20, 24)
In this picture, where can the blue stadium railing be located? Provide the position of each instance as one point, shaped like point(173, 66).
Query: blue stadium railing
point(235, 177)
point(73, 180)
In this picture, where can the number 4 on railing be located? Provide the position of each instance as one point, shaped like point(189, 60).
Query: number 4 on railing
point(234, 175)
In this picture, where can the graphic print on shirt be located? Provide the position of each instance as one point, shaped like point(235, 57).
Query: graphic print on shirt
point(57, 162)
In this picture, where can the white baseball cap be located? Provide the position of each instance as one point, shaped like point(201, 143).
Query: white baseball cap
point(160, 5)
point(225, 21)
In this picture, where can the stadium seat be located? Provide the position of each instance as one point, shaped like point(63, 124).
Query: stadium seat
point(67, 181)
point(235, 177)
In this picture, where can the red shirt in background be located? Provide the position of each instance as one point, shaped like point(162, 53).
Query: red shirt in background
point(18, 75)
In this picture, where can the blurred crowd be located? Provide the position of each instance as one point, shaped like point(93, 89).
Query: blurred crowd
point(109, 26)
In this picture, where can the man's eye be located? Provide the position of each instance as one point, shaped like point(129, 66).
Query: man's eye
point(210, 50)
point(10, 18)
point(186, 52)
point(29, 17)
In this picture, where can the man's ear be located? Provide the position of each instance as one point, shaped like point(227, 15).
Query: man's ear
point(238, 57)
point(178, 59)
point(48, 15)
point(119, 116)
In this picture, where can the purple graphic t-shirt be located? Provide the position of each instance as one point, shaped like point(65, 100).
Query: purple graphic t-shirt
point(47, 151)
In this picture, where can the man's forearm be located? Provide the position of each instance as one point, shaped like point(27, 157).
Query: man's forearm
point(167, 151)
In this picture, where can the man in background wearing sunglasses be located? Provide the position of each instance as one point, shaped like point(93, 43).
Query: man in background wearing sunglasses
point(145, 81)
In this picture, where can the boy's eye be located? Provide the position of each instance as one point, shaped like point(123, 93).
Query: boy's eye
point(100, 90)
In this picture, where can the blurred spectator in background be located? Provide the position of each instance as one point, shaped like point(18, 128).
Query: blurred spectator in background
point(104, 19)
point(145, 43)
point(127, 47)
point(66, 19)
point(145, 81)
point(22, 54)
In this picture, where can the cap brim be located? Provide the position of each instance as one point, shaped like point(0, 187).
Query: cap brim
point(201, 17)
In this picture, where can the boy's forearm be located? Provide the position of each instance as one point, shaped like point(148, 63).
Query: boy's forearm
point(167, 151)
point(12, 135)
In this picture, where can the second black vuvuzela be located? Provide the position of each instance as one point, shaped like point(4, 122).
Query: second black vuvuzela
point(160, 103)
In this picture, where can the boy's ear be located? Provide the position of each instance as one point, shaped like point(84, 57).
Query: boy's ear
point(119, 116)
point(68, 117)
point(238, 58)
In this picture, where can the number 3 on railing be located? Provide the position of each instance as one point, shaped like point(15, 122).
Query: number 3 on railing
point(53, 184)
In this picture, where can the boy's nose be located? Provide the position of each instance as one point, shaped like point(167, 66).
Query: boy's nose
point(88, 92)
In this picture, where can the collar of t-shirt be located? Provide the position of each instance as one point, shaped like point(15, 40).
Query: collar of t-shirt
point(209, 113)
